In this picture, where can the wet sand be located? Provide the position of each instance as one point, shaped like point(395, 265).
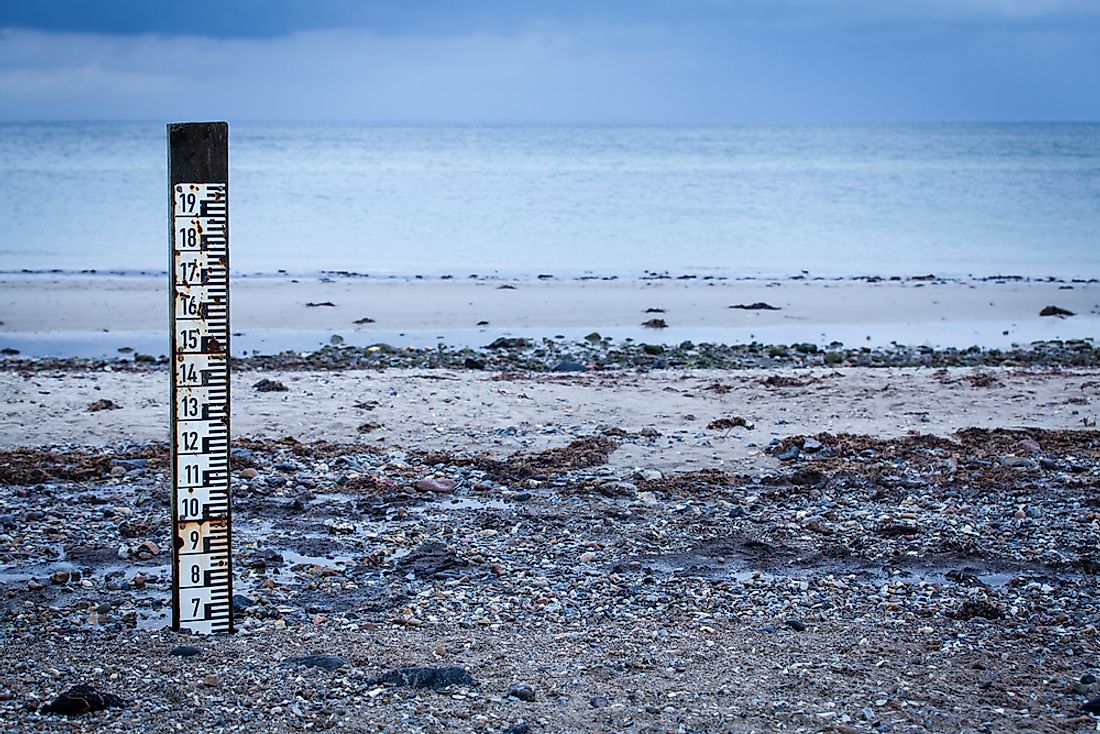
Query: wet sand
point(97, 315)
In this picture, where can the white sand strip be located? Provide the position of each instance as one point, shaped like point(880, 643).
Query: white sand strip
point(465, 411)
point(853, 312)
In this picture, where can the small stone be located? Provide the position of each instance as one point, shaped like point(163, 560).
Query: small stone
point(472, 363)
point(789, 455)
point(598, 702)
point(241, 603)
point(1029, 446)
point(341, 527)
point(587, 557)
point(568, 365)
point(431, 678)
point(1019, 462)
point(649, 432)
point(35, 585)
point(185, 651)
point(1092, 706)
point(99, 405)
point(651, 475)
point(521, 692)
point(266, 385)
point(59, 577)
point(796, 624)
point(1088, 679)
point(504, 342)
point(440, 486)
point(211, 681)
point(728, 424)
point(593, 338)
point(811, 445)
point(82, 699)
point(317, 660)
point(147, 549)
point(248, 473)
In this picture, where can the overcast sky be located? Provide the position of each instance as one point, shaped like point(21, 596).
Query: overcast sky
point(572, 61)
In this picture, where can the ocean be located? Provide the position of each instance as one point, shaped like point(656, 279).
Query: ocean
point(950, 199)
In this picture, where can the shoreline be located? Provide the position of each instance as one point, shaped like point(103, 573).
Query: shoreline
point(570, 276)
point(97, 316)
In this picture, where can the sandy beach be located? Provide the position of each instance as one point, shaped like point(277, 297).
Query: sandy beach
point(572, 532)
point(97, 315)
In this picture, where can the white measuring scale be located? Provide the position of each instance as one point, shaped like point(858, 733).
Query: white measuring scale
point(202, 568)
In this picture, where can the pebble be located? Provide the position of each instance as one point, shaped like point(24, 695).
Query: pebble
point(1029, 446)
point(811, 445)
point(568, 365)
point(59, 577)
point(324, 661)
point(796, 624)
point(430, 678)
point(440, 486)
point(211, 680)
point(598, 702)
point(521, 692)
point(82, 699)
point(147, 549)
point(1019, 462)
point(248, 473)
point(341, 527)
point(185, 651)
point(789, 455)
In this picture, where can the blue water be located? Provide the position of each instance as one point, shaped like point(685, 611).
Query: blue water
point(738, 201)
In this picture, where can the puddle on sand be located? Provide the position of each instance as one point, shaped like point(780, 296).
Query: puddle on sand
point(460, 503)
point(429, 503)
point(293, 558)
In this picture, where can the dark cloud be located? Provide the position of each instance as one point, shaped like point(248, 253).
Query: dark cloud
point(653, 61)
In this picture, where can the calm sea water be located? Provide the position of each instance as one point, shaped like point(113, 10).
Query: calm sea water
point(844, 200)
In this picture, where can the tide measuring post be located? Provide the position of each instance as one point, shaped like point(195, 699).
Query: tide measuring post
point(198, 218)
